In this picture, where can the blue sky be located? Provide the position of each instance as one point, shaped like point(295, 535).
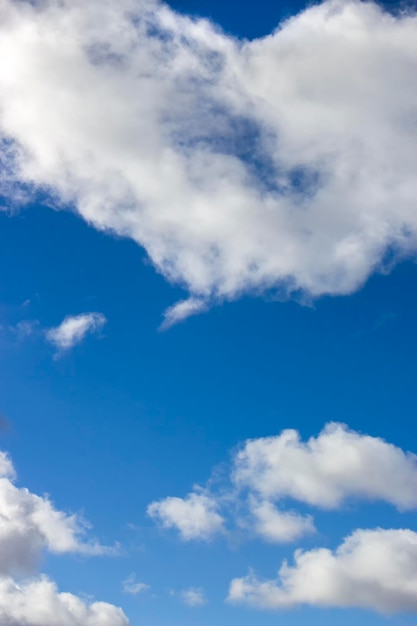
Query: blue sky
point(297, 309)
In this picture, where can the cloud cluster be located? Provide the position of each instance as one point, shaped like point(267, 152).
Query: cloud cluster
point(325, 471)
point(286, 162)
point(373, 569)
point(30, 525)
point(73, 330)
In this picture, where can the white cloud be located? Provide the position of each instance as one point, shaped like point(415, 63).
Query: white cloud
point(195, 517)
point(181, 310)
point(30, 524)
point(132, 587)
point(74, 329)
point(39, 603)
point(285, 162)
point(279, 526)
point(373, 569)
point(326, 470)
point(193, 597)
point(6, 466)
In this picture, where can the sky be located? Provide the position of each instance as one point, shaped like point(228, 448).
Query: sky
point(208, 355)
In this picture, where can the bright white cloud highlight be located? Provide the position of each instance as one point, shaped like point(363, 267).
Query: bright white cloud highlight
point(39, 603)
point(372, 569)
point(193, 597)
point(74, 329)
point(30, 524)
point(326, 470)
point(195, 517)
point(285, 162)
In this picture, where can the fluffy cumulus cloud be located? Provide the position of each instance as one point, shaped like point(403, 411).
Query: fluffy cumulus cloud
point(286, 162)
point(373, 569)
point(74, 329)
point(324, 471)
point(39, 603)
point(195, 517)
point(30, 525)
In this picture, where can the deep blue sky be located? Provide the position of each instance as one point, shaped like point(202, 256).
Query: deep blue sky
point(141, 414)
point(138, 414)
point(241, 19)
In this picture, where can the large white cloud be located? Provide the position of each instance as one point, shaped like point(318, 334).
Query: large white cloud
point(39, 603)
point(30, 524)
point(287, 161)
point(373, 569)
point(325, 471)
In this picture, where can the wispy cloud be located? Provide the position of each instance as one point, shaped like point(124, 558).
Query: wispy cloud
point(193, 597)
point(74, 329)
point(26, 328)
point(22, 330)
point(181, 311)
point(133, 587)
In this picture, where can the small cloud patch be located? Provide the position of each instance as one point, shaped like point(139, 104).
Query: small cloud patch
point(74, 329)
